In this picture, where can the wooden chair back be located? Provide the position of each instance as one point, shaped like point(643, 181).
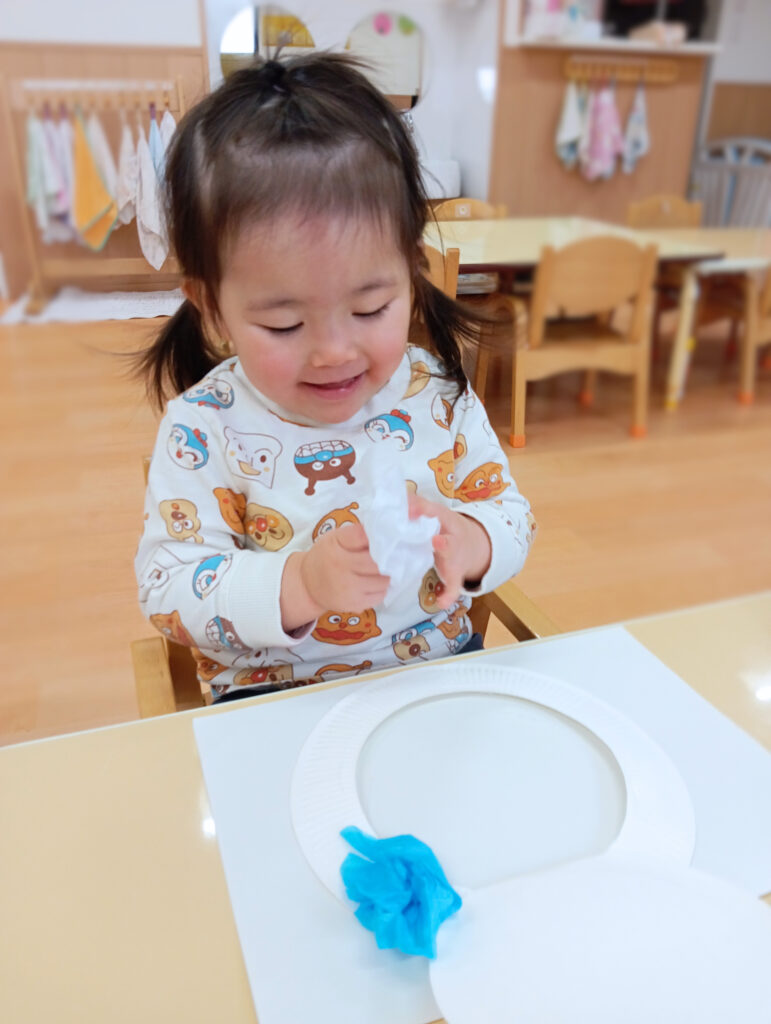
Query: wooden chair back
point(664, 211)
point(443, 269)
point(466, 208)
point(592, 276)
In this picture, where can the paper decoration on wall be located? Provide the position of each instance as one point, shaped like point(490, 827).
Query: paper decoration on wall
point(382, 23)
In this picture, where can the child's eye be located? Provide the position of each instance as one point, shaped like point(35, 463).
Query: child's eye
point(280, 330)
point(375, 312)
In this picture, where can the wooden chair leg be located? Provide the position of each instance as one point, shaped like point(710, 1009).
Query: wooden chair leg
point(518, 395)
point(640, 398)
point(749, 342)
point(586, 394)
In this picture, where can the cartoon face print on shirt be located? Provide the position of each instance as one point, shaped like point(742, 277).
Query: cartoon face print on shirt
point(232, 507)
point(394, 424)
point(269, 675)
point(413, 642)
point(252, 455)
point(171, 626)
point(346, 627)
point(267, 527)
point(430, 589)
point(457, 626)
point(187, 447)
point(484, 482)
point(156, 573)
point(335, 519)
point(222, 636)
point(442, 412)
point(214, 394)
point(181, 518)
point(206, 667)
point(209, 573)
point(420, 375)
point(324, 460)
point(444, 466)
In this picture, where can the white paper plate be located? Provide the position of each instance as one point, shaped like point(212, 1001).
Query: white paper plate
point(658, 820)
point(605, 941)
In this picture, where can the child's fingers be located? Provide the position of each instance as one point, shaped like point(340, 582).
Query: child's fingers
point(352, 537)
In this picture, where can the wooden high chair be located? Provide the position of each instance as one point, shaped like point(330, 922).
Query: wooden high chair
point(757, 332)
point(576, 290)
point(165, 672)
point(664, 211)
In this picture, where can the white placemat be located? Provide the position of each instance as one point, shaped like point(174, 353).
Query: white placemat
point(307, 958)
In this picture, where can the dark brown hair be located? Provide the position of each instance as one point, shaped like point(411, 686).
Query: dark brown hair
point(309, 135)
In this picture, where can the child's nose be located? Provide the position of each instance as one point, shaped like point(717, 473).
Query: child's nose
point(332, 346)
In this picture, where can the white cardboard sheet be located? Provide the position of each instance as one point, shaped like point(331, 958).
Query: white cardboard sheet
point(307, 958)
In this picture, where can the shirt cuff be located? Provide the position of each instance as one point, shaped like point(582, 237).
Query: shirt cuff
point(254, 597)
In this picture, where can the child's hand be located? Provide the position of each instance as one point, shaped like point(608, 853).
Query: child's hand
point(339, 573)
point(462, 549)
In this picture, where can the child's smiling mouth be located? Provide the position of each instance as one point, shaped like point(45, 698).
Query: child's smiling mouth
point(336, 388)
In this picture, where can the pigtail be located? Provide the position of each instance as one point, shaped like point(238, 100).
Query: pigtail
point(449, 328)
point(178, 358)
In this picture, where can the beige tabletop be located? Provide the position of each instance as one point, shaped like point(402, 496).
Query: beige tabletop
point(739, 248)
point(112, 894)
point(516, 242)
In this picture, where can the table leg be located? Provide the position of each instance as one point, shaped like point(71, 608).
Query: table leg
point(684, 341)
point(749, 341)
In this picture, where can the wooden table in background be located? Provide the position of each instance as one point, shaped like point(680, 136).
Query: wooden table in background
point(112, 893)
point(744, 253)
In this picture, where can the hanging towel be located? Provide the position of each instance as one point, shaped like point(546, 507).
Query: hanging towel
point(150, 225)
point(100, 147)
point(65, 143)
point(156, 148)
point(59, 163)
point(126, 191)
point(569, 128)
point(586, 104)
point(636, 138)
point(94, 209)
point(606, 142)
point(39, 188)
point(168, 127)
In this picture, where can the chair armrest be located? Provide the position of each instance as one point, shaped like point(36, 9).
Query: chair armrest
point(164, 677)
point(520, 616)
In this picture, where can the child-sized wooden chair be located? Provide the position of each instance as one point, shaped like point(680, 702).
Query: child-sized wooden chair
point(576, 290)
point(165, 672)
point(479, 289)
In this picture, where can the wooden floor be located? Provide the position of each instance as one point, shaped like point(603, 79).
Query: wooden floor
point(627, 528)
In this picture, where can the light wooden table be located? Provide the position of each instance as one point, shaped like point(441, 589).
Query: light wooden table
point(515, 243)
point(744, 253)
point(113, 904)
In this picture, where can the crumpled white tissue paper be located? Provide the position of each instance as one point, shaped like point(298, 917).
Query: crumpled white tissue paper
point(401, 547)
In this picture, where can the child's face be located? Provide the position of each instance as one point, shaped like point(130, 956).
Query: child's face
point(318, 312)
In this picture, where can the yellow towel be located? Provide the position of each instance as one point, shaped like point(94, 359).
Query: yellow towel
point(94, 211)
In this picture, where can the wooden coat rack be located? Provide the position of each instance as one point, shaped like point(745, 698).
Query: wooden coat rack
point(25, 95)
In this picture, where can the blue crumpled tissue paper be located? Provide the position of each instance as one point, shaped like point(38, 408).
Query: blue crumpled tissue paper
point(402, 892)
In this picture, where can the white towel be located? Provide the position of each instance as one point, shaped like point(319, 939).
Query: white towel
point(100, 147)
point(156, 148)
point(46, 190)
point(126, 192)
point(66, 142)
point(150, 224)
point(59, 163)
point(636, 137)
point(569, 128)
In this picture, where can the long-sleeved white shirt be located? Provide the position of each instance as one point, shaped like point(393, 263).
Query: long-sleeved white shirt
point(236, 485)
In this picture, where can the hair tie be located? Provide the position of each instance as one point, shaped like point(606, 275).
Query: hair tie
point(274, 73)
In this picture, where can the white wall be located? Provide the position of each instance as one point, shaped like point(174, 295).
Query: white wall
point(453, 120)
point(744, 32)
point(130, 22)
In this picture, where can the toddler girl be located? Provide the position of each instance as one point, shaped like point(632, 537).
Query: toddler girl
point(296, 210)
